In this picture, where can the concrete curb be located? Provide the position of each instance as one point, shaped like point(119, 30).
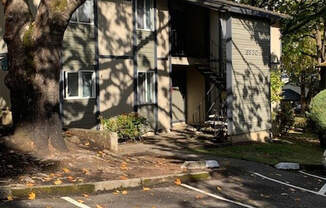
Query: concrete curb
point(91, 188)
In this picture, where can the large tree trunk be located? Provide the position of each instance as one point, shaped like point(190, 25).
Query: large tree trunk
point(34, 48)
point(303, 93)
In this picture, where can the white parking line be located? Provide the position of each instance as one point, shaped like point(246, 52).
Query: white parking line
point(286, 184)
point(308, 174)
point(322, 190)
point(216, 197)
point(76, 203)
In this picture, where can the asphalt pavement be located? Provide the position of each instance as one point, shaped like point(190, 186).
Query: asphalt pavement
point(228, 187)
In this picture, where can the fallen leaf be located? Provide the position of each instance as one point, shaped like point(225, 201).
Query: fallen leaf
point(219, 188)
point(98, 206)
point(116, 192)
point(85, 195)
point(85, 171)
point(9, 198)
point(87, 144)
point(123, 178)
point(57, 182)
point(80, 201)
point(199, 196)
point(177, 181)
point(31, 196)
point(29, 184)
point(123, 168)
point(146, 189)
point(66, 170)
point(124, 192)
point(70, 178)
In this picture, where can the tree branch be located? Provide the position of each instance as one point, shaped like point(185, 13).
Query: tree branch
point(18, 15)
point(308, 54)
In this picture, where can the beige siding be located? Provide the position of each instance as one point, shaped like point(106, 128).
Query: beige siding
point(250, 76)
point(195, 97)
point(276, 44)
point(163, 76)
point(116, 87)
point(115, 27)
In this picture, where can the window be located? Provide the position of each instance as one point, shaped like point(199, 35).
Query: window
point(144, 14)
point(84, 14)
point(146, 88)
point(80, 84)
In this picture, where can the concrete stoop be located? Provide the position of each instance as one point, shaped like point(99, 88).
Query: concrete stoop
point(92, 188)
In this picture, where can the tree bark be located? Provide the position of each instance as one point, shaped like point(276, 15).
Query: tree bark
point(34, 53)
point(303, 92)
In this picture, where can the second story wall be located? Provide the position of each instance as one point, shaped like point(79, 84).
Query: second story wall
point(116, 69)
point(276, 45)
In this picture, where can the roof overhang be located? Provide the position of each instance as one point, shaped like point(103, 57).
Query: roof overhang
point(242, 9)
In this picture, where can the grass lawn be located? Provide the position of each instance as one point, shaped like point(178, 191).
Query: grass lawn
point(298, 147)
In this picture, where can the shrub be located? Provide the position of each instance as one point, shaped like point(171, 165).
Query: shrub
point(318, 116)
point(128, 126)
point(300, 122)
point(285, 117)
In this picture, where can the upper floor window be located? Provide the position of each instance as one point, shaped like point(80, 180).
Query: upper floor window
point(84, 14)
point(145, 14)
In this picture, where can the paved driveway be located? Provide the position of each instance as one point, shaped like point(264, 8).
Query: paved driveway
point(236, 186)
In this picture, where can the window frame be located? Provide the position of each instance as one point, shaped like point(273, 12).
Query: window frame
point(145, 92)
point(145, 17)
point(80, 85)
point(77, 16)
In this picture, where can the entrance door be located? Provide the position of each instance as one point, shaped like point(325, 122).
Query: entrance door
point(178, 96)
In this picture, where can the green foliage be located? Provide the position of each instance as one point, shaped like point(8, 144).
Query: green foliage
point(27, 39)
point(285, 117)
point(128, 126)
point(59, 5)
point(276, 86)
point(318, 115)
point(300, 122)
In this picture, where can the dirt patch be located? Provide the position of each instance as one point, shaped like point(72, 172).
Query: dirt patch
point(85, 162)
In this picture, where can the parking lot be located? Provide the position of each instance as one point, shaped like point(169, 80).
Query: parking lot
point(249, 186)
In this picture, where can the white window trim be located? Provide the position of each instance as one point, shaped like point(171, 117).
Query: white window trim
point(84, 23)
point(139, 90)
point(80, 83)
point(151, 16)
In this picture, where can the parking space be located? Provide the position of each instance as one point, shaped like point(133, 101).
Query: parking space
point(230, 187)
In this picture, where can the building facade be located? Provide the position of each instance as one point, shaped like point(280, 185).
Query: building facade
point(171, 61)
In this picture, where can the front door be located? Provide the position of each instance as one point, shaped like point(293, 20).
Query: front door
point(178, 95)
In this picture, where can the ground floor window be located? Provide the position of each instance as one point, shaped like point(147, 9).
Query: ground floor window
point(146, 87)
point(80, 84)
